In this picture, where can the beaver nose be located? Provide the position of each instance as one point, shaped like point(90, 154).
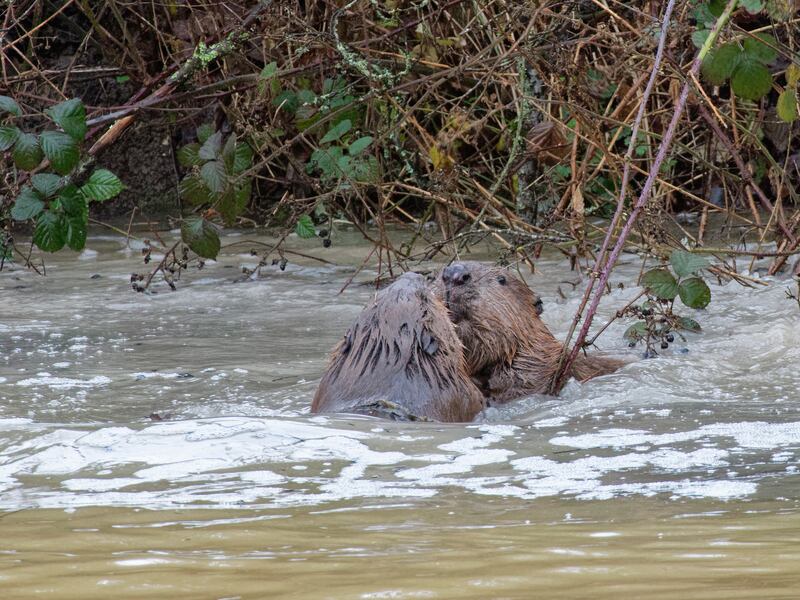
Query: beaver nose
point(455, 274)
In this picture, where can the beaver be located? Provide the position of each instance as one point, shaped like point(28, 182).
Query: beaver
point(510, 352)
point(401, 359)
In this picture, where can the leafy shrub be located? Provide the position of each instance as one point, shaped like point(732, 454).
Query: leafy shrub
point(216, 181)
point(56, 203)
point(657, 321)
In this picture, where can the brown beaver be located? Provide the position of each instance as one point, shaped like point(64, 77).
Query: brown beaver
point(401, 359)
point(509, 350)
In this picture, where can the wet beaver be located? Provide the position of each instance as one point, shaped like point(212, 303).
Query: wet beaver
point(401, 359)
point(509, 350)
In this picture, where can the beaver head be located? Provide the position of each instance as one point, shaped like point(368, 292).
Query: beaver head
point(493, 310)
point(508, 348)
point(402, 352)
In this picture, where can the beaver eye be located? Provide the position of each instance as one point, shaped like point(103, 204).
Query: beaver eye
point(501, 280)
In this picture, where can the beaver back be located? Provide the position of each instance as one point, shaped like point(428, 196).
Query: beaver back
point(402, 353)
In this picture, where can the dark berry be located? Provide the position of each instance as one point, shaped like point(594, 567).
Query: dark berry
point(670, 338)
point(326, 242)
point(646, 312)
point(323, 233)
point(664, 345)
point(631, 344)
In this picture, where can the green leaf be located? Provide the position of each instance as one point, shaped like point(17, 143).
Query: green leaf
point(73, 202)
point(305, 227)
point(344, 168)
point(337, 131)
point(211, 147)
point(204, 132)
point(689, 324)
point(70, 115)
point(8, 105)
point(286, 100)
point(267, 73)
point(721, 63)
point(695, 293)
point(233, 202)
point(366, 171)
point(61, 150)
point(636, 332)
point(214, 175)
point(752, 6)
point(194, 190)
point(716, 7)
point(751, 80)
point(787, 106)
point(51, 232)
point(243, 193)
point(703, 15)
point(187, 155)
point(306, 96)
point(8, 137)
point(102, 185)
point(761, 47)
point(76, 232)
point(201, 236)
point(47, 184)
point(229, 152)
point(699, 37)
point(792, 74)
point(243, 158)
point(685, 263)
point(359, 145)
point(27, 205)
point(27, 151)
point(325, 159)
point(661, 283)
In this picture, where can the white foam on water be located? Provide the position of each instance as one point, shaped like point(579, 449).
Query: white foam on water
point(752, 434)
point(235, 461)
point(63, 383)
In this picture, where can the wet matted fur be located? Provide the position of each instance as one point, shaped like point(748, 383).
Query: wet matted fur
point(510, 352)
point(401, 354)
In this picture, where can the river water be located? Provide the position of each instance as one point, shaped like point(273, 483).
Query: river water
point(675, 477)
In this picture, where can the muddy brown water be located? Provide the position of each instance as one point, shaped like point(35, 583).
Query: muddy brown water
point(675, 478)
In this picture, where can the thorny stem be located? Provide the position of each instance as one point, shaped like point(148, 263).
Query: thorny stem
point(626, 173)
point(644, 196)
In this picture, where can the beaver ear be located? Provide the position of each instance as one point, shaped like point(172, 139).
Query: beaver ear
point(538, 305)
point(429, 343)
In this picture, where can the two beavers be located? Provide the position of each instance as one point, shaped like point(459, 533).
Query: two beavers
point(418, 350)
point(509, 350)
point(401, 359)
